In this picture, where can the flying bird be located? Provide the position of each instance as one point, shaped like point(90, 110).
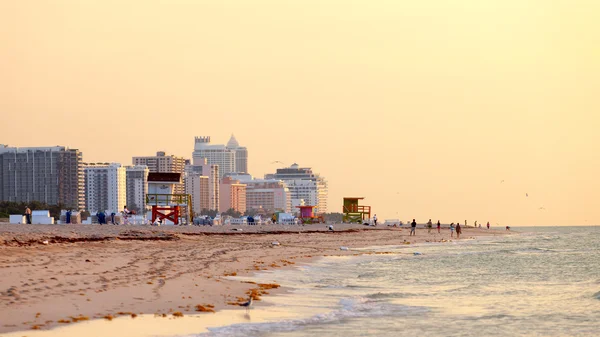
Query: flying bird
point(277, 161)
point(542, 208)
point(501, 181)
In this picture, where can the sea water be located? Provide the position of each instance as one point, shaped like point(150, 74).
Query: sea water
point(544, 281)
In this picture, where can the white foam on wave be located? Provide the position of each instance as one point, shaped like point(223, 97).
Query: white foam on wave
point(350, 308)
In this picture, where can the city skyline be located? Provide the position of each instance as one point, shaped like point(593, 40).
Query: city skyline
point(471, 110)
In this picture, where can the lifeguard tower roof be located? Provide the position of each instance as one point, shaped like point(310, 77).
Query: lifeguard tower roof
point(164, 177)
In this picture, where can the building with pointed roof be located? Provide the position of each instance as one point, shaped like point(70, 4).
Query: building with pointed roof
point(232, 158)
point(233, 143)
point(215, 154)
point(241, 155)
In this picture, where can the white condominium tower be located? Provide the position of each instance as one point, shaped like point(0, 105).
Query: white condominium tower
point(202, 183)
point(230, 158)
point(105, 186)
point(304, 185)
point(215, 154)
point(197, 186)
point(241, 155)
point(137, 187)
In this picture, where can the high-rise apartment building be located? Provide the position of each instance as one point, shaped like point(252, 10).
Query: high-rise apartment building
point(212, 172)
point(164, 163)
point(106, 187)
point(271, 195)
point(81, 188)
point(304, 186)
point(137, 187)
point(241, 155)
point(197, 186)
point(232, 195)
point(214, 155)
point(46, 174)
point(201, 168)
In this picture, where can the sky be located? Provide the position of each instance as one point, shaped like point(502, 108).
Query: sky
point(449, 110)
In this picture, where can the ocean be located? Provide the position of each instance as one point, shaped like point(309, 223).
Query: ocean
point(544, 281)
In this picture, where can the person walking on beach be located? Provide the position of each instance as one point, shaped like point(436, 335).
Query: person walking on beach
point(429, 224)
point(375, 219)
point(488, 225)
point(28, 215)
point(101, 217)
point(439, 226)
point(413, 227)
point(126, 213)
point(452, 230)
point(458, 230)
point(112, 218)
point(68, 215)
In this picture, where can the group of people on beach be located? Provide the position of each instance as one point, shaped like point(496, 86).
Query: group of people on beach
point(413, 226)
point(457, 228)
point(453, 227)
point(102, 217)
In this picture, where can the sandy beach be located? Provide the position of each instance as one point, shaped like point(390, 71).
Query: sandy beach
point(55, 275)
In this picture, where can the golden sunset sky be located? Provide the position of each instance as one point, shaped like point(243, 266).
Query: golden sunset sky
point(422, 107)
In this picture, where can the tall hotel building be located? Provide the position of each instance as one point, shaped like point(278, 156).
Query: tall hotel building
point(105, 186)
point(304, 185)
point(232, 195)
point(271, 195)
point(202, 183)
point(137, 187)
point(231, 158)
point(197, 186)
point(52, 175)
point(241, 155)
point(164, 163)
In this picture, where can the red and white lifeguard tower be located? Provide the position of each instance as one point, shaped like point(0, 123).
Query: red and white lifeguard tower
point(166, 205)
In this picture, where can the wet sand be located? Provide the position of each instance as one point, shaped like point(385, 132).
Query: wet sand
point(55, 275)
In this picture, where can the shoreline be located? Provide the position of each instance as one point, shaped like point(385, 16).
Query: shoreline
point(99, 272)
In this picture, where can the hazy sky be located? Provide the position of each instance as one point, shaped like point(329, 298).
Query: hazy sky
point(422, 107)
